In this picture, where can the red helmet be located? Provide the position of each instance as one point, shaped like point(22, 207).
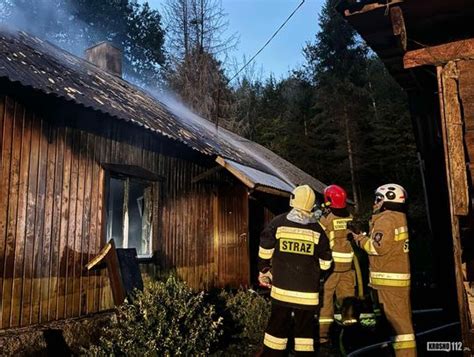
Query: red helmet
point(335, 196)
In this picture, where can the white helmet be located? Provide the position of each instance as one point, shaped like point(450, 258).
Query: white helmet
point(391, 192)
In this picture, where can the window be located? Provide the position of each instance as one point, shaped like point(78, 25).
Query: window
point(129, 213)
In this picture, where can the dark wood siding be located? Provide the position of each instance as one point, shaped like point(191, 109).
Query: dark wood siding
point(52, 216)
point(232, 228)
point(49, 215)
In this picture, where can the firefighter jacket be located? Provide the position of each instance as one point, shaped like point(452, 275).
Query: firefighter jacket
point(336, 230)
point(296, 253)
point(387, 246)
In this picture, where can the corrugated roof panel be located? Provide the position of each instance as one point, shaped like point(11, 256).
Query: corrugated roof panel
point(42, 66)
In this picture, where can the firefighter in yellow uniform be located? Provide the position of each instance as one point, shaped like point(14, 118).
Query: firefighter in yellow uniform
point(293, 250)
point(341, 280)
point(387, 247)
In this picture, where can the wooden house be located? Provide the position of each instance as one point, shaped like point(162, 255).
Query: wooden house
point(428, 47)
point(86, 156)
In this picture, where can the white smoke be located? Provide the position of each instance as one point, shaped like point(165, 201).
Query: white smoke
point(51, 20)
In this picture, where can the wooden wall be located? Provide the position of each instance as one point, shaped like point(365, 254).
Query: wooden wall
point(52, 198)
point(50, 220)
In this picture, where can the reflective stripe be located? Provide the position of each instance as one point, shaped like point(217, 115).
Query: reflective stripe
point(404, 345)
point(325, 321)
point(390, 279)
point(265, 253)
point(275, 343)
point(405, 337)
point(349, 322)
point(325, 264)
point(342, 257)
point(404, 341)
point(296, 297)
point(361, 316)
point(304, 344)
point(369, 247)
point(332, 235)
point(322, 225)
point(393, 276)
point(341, 223)
point(401, 233)
point(298, 233)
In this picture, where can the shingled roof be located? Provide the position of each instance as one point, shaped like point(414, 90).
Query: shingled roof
point(40, 65)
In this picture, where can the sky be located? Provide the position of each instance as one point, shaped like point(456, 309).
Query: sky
point(255, 21)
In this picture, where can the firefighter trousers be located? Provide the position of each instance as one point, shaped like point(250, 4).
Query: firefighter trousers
point(395, 304)
point(343, 285)
point(278, 331)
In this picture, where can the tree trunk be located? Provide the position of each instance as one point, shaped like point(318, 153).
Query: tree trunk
point(350, 154)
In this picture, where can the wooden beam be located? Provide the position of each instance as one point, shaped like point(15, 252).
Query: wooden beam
point(439, 55)
point(446, 92)
point(108, 255)
point(206, 174)
point(245, 180)
point(398, 26)
point(371, 7)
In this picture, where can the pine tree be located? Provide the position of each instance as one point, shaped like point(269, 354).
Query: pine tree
point(337, 62)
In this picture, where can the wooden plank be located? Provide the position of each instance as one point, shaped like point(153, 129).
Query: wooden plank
point(398, 26)
point(68, 246)
point(445, 78)
point(65, 216)
point(17, 289)
point(87, 223)
point(5, 179)
point(439, 55)
point(466, 91)
point(455, 140)
point(47, 303)
point(83, 222)
point(39, 224)
point(94, 235)
point(245, 180)
point(371, 7)
point(57, 278)
point(31, 243)
point(11, 305)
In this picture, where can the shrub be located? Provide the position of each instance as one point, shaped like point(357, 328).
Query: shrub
point(246, 316)
point(166, 319)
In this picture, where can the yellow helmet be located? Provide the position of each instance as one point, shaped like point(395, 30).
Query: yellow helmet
point(303, 198)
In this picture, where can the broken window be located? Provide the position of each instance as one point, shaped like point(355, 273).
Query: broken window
point(129, 214)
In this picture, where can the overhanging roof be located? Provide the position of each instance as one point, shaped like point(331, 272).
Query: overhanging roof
point(256, 179)
point(427, 23)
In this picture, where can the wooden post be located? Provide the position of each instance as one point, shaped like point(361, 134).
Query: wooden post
point(108, 255)
point(451, 122)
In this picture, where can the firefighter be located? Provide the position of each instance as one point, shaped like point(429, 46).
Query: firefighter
point(341, 280)
point(387, 247)
point(296, 249)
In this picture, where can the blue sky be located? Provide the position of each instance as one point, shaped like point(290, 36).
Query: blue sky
point(256, 20)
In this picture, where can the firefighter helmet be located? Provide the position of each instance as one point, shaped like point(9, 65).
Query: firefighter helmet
point(335, 196)
point(391, 192)
point(303, 198)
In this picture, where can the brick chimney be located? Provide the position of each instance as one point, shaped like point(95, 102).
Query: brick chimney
point(106, 56)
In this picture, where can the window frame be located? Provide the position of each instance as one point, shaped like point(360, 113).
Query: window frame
point(137, 174)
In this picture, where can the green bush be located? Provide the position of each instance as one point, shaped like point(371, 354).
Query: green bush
point(246, 316)
point(166, 319)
